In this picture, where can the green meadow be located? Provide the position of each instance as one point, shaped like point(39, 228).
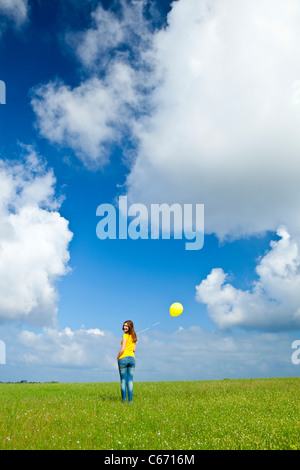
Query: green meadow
point(221, 414)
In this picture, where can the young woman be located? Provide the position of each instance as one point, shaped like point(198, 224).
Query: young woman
point(126, 360)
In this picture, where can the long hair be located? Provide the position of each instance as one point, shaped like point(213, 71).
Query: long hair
point(131, 330)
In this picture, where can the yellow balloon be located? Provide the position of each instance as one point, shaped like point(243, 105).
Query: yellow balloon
point(176, 309)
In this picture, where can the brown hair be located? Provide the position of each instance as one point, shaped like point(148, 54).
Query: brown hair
point(131, 330)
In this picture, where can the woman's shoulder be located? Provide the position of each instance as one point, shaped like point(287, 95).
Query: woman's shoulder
point(127, 336)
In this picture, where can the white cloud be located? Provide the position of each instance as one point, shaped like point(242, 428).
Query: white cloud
point(96, 115)
point(34, 241)
point(90, 348)
point(221, 81)
point(109, 32)
point(89, 118)
point(225, 126)
point(273, 302)
point(16, 10)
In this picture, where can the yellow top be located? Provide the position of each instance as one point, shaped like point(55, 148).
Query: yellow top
point(128, 347)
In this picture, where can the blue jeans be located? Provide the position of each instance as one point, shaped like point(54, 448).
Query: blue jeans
point(126, 368)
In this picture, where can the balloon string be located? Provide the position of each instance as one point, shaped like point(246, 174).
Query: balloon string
point(142, 331)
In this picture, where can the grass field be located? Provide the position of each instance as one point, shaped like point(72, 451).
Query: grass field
point(224, 414)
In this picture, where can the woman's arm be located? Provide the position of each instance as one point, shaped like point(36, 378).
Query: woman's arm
point(134, 347)
point(123, 345)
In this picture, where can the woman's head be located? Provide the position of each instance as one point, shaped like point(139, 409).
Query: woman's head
point(128, 328)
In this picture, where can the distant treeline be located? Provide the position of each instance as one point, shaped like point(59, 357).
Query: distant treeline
point(28, 382)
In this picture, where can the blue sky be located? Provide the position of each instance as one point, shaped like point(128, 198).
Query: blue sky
point(164, 103)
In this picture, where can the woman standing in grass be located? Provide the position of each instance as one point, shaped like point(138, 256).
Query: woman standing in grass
point(126, 360)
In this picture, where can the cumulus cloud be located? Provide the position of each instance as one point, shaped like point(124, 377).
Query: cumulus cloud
point(210, 102)
point(225, 125)
point(15, 10)
point(34, 241)
point(94, 116)
point(67, 347)
point(123, 35)
point(90, 118)
point(272, 303)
